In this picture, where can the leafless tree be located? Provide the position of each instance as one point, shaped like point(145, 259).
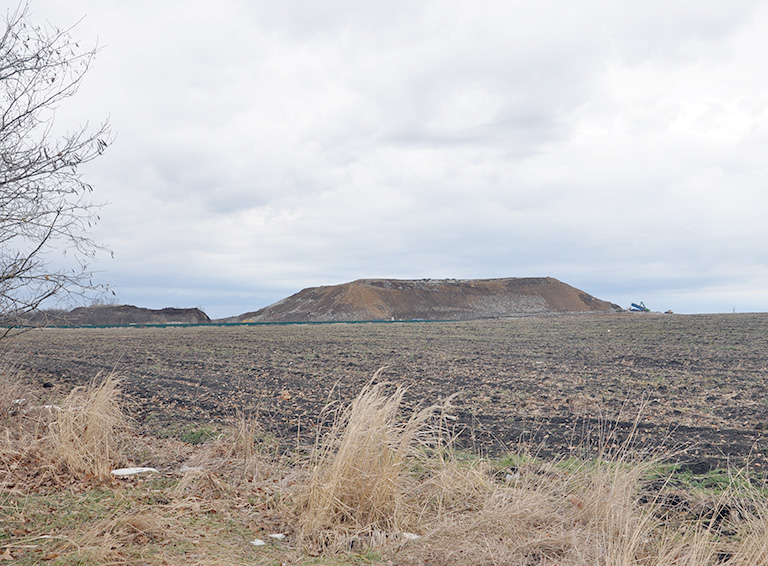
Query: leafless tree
point(46, 210)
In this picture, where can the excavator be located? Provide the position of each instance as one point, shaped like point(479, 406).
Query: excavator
point(639, 308)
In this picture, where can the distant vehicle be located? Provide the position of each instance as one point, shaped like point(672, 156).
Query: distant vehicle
point(639, 308)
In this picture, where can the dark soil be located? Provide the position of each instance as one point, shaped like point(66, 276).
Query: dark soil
point(559, 386)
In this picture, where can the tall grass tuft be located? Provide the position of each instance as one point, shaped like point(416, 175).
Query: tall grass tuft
point(85, 433)
point(362, 472)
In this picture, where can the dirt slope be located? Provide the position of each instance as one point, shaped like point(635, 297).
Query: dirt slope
point(430, 299)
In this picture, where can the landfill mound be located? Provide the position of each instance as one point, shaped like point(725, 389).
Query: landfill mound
point(430, 299)
point(119, 315)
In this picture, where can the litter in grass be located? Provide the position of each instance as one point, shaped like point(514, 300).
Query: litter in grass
point(278, 536)
point(120, 472)
point(258, 542)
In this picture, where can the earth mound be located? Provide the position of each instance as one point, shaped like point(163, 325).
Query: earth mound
point(430, 299)
point(117, 315)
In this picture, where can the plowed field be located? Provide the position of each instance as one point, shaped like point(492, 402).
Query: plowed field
point(553, 385)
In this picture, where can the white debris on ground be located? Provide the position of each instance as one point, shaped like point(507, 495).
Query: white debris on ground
point(276, 536)
point(509, 478)
point(120, 472)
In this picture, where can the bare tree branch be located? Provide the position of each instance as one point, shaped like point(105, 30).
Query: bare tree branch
point(45, 206)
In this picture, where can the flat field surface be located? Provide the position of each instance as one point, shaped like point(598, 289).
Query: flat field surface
point(551, 385)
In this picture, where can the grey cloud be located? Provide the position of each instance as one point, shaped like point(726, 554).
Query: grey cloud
point(266, 147)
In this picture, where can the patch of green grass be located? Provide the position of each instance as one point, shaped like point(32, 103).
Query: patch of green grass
point(516, 461)
point(189, 433)
point(39, 527)
point(719, 481)
point(137, 522)
point(714, 483)
point(198, 435)
point(511, 462)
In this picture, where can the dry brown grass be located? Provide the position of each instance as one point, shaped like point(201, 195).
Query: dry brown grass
point(754, 542)
point(24, 427)
point(233, 452)
point(546, 515)
point(79, 438)
point(15, 392)
point(361, 477)
point(15, 397)
point(377, 475)
point(610, 512)
point(85, 433)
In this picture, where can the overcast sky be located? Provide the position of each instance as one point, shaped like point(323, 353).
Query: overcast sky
point(264, 147)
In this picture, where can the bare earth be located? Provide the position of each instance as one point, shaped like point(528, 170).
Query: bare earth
point(547, 384)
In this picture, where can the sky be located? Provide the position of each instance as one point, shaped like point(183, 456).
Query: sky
point(265, 147)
